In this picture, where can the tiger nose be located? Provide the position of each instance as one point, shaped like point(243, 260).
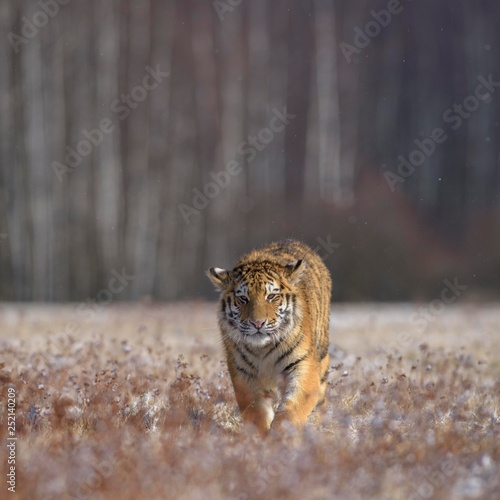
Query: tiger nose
point(258, 323)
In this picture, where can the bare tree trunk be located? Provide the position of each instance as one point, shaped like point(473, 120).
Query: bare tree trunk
point(279, 59)
point(185, 174)
point(37, 171)
point(207, 118)
point(11, 262)
point(224, 231)
point(481, 161)
point(108, 185)
point(331, 186)
point(301, 40)
point(137, 160)
point(259, 195)
point(163, 211)
point(85, 276)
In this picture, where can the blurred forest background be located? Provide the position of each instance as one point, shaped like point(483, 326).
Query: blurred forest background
point(108, 164)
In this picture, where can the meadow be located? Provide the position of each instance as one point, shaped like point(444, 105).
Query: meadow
point(134, 401)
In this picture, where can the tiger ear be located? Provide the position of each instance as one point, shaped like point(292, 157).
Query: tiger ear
point(219, 277)
point(294, 270)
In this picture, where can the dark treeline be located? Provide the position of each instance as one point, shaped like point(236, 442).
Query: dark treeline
point(158, 138)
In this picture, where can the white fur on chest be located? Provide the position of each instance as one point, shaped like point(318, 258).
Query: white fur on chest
point(270, 376)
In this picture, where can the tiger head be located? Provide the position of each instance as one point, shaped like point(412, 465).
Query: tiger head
point(259, 300)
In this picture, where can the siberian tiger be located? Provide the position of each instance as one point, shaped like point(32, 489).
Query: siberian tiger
point(274, 320)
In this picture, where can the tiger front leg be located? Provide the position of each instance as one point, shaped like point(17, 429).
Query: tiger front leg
point(256, 406)
point(302, 394)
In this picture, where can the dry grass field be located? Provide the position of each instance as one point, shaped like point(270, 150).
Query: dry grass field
point(134, 401)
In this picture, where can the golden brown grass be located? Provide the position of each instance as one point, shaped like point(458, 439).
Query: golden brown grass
point(136, 403)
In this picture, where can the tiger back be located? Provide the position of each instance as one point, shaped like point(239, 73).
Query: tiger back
point(274, 320)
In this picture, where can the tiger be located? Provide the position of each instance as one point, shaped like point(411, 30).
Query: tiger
point(273, 316)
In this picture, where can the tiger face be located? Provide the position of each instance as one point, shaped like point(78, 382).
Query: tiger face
point(259, 303)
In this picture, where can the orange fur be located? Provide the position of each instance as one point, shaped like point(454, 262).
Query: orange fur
point(274, 319)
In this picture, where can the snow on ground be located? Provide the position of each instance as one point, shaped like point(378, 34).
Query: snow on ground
point(134, 401)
